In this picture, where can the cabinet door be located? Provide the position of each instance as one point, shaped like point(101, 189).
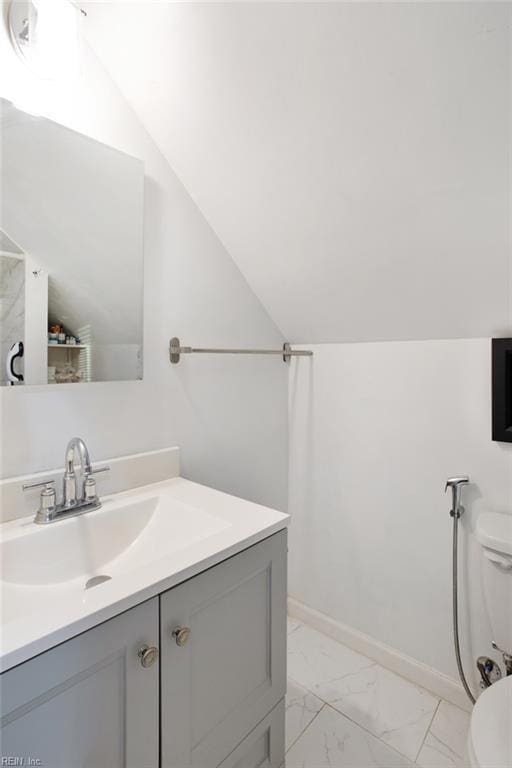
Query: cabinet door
point(264, 746)
point(231, 671)
point(89, 702)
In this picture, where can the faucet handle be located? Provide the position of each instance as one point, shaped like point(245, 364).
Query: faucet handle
point(47, 484)
point(47, 500)
point(97, 471)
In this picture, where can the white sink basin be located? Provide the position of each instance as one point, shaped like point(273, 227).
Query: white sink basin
point(144, 541)
point(109, 541)
point(68, 549)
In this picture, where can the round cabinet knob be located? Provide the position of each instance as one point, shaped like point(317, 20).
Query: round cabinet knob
point(181, 635)
point(148, 655)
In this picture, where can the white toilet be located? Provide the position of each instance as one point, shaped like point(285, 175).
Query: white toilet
point(490, 732)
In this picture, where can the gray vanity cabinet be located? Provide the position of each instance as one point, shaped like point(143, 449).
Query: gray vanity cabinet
point(213, 698)
point(223, 662)
point(89, 702)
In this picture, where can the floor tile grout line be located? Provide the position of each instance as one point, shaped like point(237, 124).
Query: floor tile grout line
point(438, 699)
point(373, 735)
point(306, 728)
point(364, 728)
point(428, 729)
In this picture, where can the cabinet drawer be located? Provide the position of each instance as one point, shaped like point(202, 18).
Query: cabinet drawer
point(231, 670)
point(264, 746)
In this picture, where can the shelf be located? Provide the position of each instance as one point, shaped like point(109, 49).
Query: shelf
point(67, 346)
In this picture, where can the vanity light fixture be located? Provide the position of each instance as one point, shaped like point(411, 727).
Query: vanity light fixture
point(46, 36)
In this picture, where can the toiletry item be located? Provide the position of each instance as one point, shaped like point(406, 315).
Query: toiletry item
point(67, 375)
point(51, 374)
point(62, 338)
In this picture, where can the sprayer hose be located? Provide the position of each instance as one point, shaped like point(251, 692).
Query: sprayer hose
point(455, 570)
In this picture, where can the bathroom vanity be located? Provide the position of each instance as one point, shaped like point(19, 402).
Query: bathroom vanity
point(176, 659)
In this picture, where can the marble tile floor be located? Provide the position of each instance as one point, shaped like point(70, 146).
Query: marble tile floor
point(343, 709)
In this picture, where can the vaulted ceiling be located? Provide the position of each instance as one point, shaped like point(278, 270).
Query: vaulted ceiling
point(353, 158)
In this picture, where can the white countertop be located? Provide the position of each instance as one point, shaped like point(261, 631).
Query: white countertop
point(170, 531)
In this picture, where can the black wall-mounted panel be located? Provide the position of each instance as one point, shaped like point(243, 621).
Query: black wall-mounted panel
point(502, 390)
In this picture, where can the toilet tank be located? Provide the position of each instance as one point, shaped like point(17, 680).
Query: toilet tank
point(494, 533)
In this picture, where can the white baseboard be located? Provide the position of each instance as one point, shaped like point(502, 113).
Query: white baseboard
point(436, 682)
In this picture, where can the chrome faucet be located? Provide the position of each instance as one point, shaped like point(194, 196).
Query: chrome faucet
point(69, 485)
point(73, 502)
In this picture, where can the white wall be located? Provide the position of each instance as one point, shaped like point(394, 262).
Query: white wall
point(116, 362)
point(375, 430)
point(228, 415)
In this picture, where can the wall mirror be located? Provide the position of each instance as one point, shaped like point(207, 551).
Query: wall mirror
point(71, 255)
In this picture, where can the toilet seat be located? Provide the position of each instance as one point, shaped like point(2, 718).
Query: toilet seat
point(490, 730)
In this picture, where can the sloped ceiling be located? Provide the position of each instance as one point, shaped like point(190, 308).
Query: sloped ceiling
point(354, 159)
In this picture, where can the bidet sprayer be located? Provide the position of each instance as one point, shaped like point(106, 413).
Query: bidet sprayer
point(456, 484)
